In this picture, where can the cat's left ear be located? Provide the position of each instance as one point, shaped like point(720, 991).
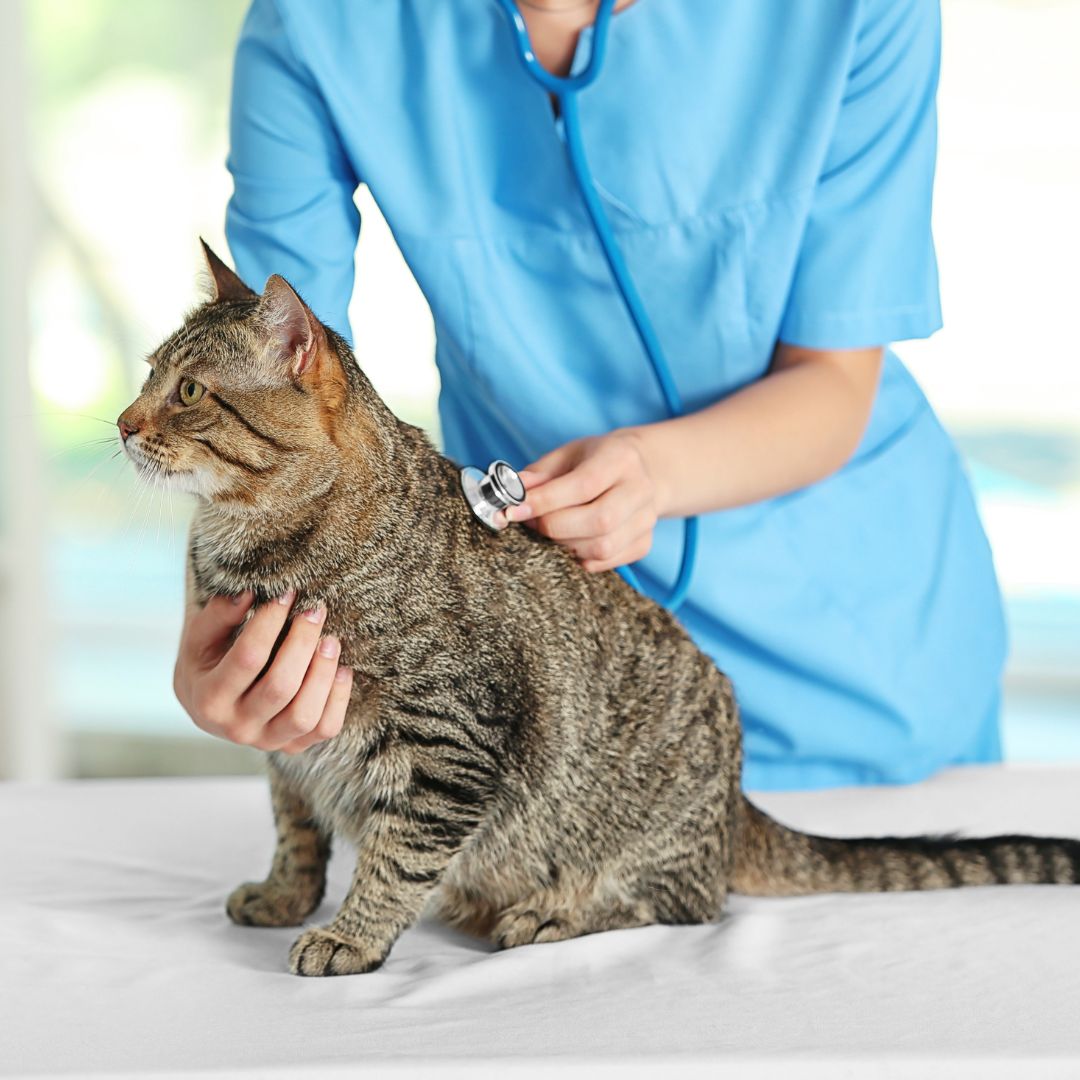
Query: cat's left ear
point(294, 332)
point(226, 283)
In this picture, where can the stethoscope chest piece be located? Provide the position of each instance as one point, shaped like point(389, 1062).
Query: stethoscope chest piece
point(488, 493)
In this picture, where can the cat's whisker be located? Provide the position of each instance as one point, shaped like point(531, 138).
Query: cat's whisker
point(103, 461)
point(163, 494)
point(72, 415)
point(147, 506)
point(140, 494)
point(78, 446)
point(172, 541)
point(141, 489)
point(164, 500)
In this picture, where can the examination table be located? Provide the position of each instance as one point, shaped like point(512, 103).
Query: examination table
point(116, 958)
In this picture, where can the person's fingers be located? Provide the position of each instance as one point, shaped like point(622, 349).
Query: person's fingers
point(203, 642)
point(579, 485)
point(303, 712)
point(636, 548)
point(612, 547)
point(333, 714)
point(554, 463)
point(248, 654)
point(278, 685)
point(605, 514)
point(207, 630)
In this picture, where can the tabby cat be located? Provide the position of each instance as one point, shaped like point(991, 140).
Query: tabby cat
point(531, 752)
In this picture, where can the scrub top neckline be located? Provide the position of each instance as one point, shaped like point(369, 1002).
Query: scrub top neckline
point(553, 121)
point(579, 58)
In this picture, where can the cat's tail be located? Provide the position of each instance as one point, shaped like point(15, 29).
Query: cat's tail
point(772, 860)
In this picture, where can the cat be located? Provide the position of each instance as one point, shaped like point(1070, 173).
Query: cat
point(531, 752)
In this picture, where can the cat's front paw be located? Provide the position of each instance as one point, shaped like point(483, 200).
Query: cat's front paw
point(322, 952)
point(263, 903)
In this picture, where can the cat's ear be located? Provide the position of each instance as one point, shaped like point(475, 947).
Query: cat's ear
point(293, 330)
point(226, 283)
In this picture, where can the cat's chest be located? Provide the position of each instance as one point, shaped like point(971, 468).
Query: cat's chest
point(220, 565)
point(332, 781)
point(342, 777)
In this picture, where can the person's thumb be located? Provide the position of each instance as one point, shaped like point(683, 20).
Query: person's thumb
point(208, 632)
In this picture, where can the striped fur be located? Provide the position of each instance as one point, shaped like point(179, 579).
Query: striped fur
point(531, 752)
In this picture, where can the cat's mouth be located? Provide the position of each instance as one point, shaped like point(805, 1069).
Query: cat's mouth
point(149, 466)
point(155, 470)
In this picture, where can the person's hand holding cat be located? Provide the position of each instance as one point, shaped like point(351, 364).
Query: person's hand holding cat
point(595, 496)
point(298, 701)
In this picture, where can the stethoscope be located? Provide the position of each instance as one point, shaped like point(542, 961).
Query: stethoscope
point(501, 486)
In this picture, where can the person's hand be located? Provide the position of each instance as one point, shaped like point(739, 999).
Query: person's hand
point(301, 698)
point(595, 496)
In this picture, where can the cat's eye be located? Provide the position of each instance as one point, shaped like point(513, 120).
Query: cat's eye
point(191, 391)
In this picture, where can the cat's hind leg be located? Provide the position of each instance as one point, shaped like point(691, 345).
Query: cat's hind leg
point(551, 915)
point(297, 878)
point(685, 884)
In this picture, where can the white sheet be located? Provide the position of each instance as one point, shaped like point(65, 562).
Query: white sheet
point(116, 956)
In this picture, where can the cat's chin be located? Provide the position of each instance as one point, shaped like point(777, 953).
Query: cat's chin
point(191, 483)
point(188, 481)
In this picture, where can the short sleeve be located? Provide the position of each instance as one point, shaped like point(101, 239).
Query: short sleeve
point(866, 273)
point(292, 211)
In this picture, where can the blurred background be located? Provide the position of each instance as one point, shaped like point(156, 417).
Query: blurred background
point(112, 149)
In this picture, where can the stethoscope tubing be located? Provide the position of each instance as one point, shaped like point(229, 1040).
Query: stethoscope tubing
point(565, 90)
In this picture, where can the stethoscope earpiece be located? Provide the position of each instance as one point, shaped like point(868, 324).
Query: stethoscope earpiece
point(488, 493)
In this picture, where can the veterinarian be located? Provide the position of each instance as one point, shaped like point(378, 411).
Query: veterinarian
point(768, 169)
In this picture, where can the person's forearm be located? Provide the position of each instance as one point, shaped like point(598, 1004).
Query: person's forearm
point(790, 429)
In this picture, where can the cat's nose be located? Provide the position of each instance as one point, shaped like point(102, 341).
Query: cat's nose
point(126, 429)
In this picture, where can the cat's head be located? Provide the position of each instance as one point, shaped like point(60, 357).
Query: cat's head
point(248, 403)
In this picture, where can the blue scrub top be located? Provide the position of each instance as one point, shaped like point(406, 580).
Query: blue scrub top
point(767, 167)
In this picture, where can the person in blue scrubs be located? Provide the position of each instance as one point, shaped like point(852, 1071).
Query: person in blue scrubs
point(768, 169)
